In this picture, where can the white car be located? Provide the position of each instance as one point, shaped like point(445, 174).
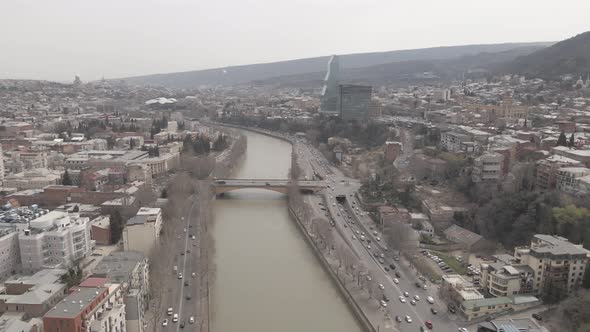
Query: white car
point(180, 276)
point(165, 322)
point(191, 320)
point(462, 329)
point(408, 319)
point(416, 297)
point(402, 299)
point(381, 287)
point(406, 294)
point(430, 300)
point(368, 246)
point(396, 281)
point(383, 304)
point(175, 318)
point(413, 302)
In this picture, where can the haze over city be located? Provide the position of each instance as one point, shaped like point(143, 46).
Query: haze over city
point(54, 40)
point(304, 165)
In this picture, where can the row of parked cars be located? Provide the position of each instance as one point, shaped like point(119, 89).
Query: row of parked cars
point(441, 264)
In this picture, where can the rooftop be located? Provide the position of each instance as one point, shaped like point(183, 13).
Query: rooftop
point(556, 245)
point(74, 303)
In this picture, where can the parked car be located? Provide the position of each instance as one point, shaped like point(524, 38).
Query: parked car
point(165, 322)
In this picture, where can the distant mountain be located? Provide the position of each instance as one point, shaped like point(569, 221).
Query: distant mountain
point(570, 56)
point(407, 72)
point(259, 72)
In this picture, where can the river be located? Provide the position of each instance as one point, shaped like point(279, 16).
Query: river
point(267, 278)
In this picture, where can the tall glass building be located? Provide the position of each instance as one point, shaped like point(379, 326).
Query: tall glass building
point(354, 101)
point(330, 91)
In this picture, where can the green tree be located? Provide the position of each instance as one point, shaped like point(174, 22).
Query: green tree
point(66, 180)
point(562, 140)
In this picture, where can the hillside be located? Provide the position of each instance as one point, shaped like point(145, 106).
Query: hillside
point(406, 72)
point(247, 73)
point(570, 56)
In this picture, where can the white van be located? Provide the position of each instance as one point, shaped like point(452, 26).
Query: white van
point(175, 318)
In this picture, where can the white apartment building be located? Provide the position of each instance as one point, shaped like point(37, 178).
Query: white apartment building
point(9, 253)
point(568, 179)
point(54, 240)
point(109, 315)
point(142, 231)
point(488, 167)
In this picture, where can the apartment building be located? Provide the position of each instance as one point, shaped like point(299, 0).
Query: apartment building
point(547, 170)
point(568, 179)
point(488, 167)
point(452, 141)
point(506, 278)
point(91, 309)
point(555, 262)
point(131, 269)
point(9, 252)
point(143, 230)
point(54, 240)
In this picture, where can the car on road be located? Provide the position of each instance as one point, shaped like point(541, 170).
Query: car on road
point(182, 324)
point(418, 284)
point(412, 302)
point(180, 276)
point(395, 280)
point(428, 324)
point(397, 275)
point(392, 266)
point(434, 312)
point(381, 287)
point(186, 282)
point(416, 297)
point(191, 320)
point(378, 238)
point(424, 287)
point(165, 322)
point(175, 318)
point(381, 261)
point(386, 269)
point(170, 311)
point(408, 319)
point(368, 246)
point(398, 319)
point(406, 294)
point(182, 253)
point(430, 300)
point(462, 329)
point(402, 299)
point(188, 297)
point(383, 304)
point(193, 274)
point(382, 255)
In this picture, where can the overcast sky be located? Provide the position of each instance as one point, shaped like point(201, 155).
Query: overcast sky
point(56, 39)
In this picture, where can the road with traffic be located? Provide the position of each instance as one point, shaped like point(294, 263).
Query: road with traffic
point(353, 224)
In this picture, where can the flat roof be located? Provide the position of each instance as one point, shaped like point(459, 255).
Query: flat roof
point(73, 304)
point(557, 245)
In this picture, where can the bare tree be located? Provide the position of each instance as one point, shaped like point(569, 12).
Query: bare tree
point(401, 237)
point(197, 166)
point(145, 196)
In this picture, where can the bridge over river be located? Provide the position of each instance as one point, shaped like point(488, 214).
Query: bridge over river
point(278, 185)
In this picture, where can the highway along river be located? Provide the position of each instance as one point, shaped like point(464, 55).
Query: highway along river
point(267, 278)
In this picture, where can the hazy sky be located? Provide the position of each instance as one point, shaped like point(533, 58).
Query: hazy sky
point(56, 39)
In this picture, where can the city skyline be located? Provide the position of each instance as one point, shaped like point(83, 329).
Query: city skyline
point(56, 41)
